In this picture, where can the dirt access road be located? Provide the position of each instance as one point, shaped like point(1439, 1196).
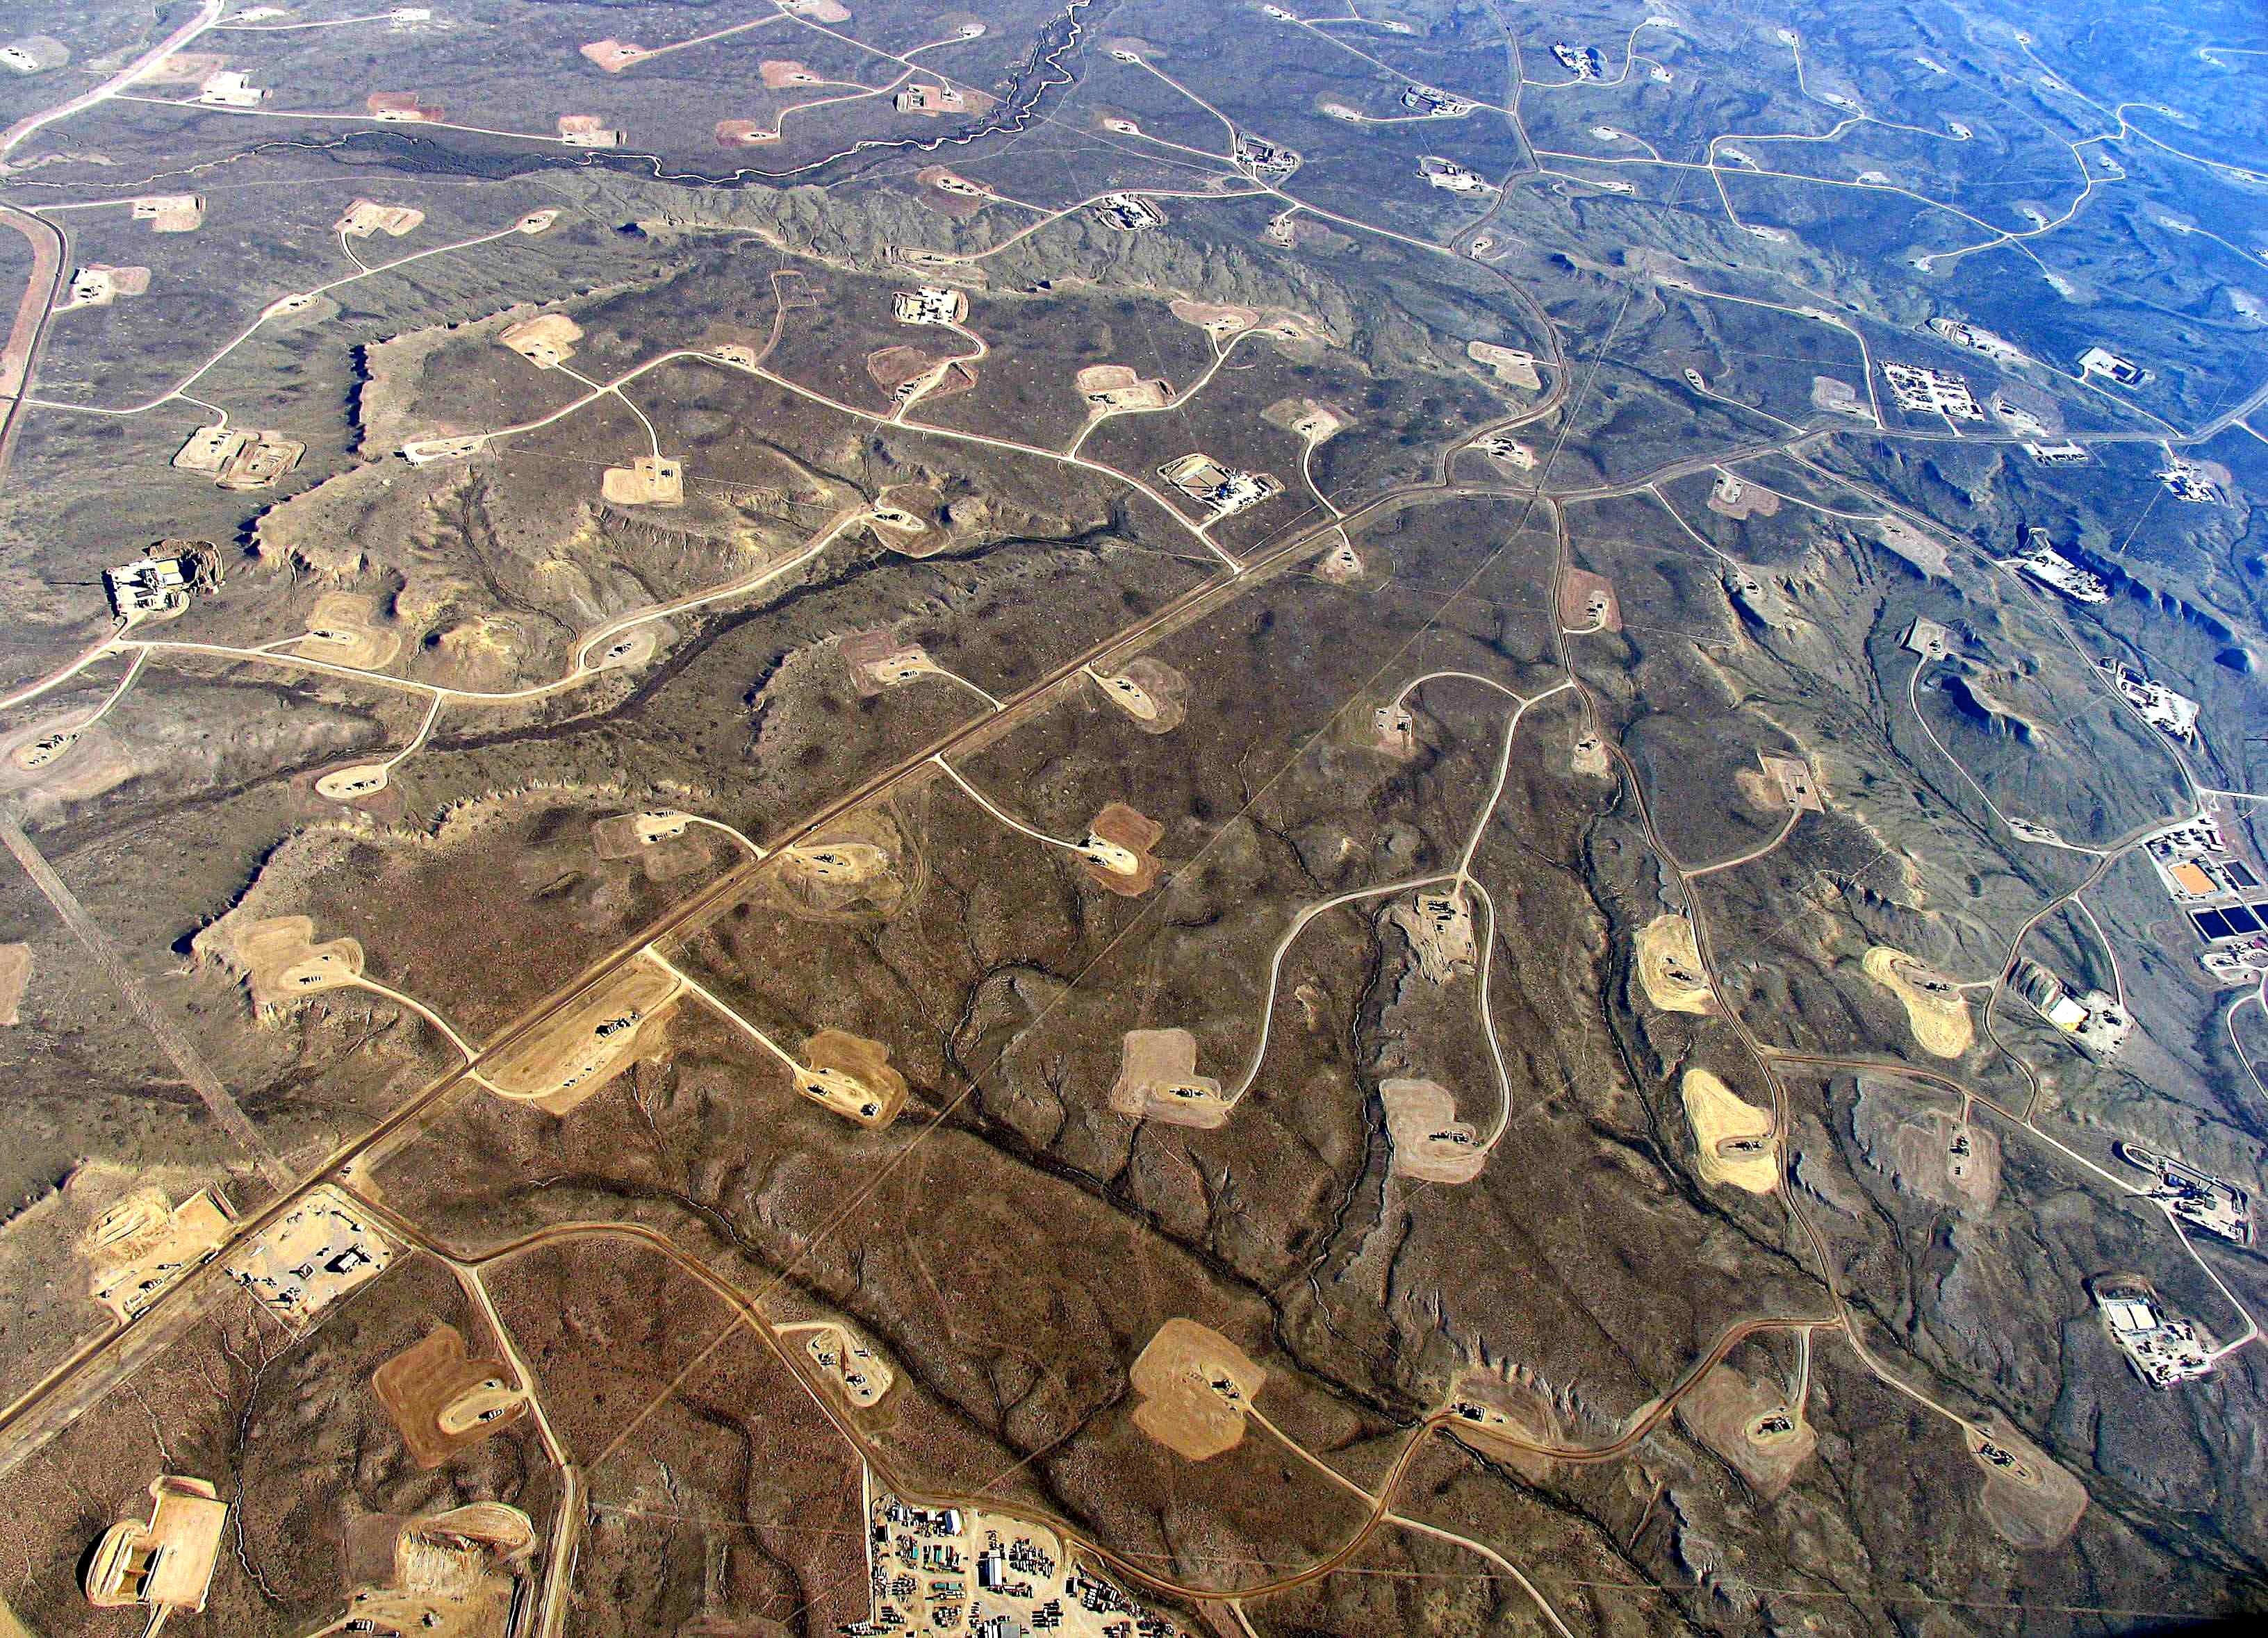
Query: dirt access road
point(31, 326)
point(46, 241)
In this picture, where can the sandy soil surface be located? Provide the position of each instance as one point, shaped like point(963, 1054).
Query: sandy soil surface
point(1158, 1080)
point(1502, 1412)
point(1670, 966)
point(279, 959)
point(585, 1045)
point(1195, 1386)
point(2032, 1501)
point(1734, 1138)
point(1948, 1163)
point(1936, 1011)
point(15, 973)
point(852, 1076)
point(1149, 691)
point(443, 1401)
point(1588, 602)
point(1429, 1141)
point(1739, 499)
point(1749, 1424)
point(1126, 827)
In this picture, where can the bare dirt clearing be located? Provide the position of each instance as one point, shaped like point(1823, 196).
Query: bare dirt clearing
point(1670, 966)
point(443, 1401)
point(1158, 1080)
point(1733, 1138)
point(1429, 1143)
point(1936, 1011)
point(2030, 1500)
point(1948, 1162)
point(1750, 1426)
point(1196, 1386)
point(574, 1053)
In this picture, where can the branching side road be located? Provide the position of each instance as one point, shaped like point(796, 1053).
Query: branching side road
point(468, 1263)
point(102, 1364)
point(80, 1379)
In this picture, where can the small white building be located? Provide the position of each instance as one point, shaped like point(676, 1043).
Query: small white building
point(2101, 361)
point(2162, 1350)
point(2129, 1316)
point(229, 88)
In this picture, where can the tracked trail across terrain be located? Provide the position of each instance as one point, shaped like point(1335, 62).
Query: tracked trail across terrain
point(177, 1047)
point(1189, 605)
point(750, 1315)
point(95, 1367)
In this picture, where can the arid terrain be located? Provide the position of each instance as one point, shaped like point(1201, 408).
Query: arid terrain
point(1131, 819)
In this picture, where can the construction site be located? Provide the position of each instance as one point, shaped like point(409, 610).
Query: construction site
point(458, 1574)
point(1222, 490)
point(1670, 966)
point(237, 458)
point(2220, 887)
point(1158, 1080)
point(1920, 390)
point(587, 1044)
point(2094, 1022)
point(2195, 1196)
point(143, 1246)
point(165, 1565)
point(2171, 713)
point(1437, 924)
point(2052, 570)
point(161, 585)
point(316, 1254)
point(1429, 1143)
